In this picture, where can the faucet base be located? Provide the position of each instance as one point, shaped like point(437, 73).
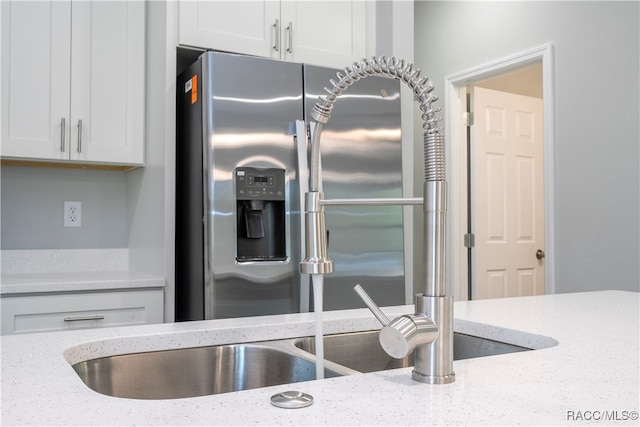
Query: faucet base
point(434, 362)
point(430, 379)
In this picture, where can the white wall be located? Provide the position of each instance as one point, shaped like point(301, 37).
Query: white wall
point(596, 57)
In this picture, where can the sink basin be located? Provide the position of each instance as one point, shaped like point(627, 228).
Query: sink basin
point(200, 371)
point(469, 347)
point(361, 351)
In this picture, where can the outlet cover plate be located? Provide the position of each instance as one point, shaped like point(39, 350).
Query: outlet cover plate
point(73, 214)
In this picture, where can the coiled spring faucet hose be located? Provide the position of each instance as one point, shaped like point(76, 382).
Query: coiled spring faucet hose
point(434, 150)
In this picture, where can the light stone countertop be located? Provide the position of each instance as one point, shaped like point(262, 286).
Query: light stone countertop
point(70, 270)
point(590, 377)
point(24, 283)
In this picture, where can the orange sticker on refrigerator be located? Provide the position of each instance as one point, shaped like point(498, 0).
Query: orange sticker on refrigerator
point(194, 89)
point(191, 85)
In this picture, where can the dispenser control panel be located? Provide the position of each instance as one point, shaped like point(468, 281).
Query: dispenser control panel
point(259, 184)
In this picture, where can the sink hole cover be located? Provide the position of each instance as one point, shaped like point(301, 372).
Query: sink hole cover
point(291, 399)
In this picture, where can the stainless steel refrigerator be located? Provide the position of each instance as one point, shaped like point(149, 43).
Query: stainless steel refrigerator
point(241, 172)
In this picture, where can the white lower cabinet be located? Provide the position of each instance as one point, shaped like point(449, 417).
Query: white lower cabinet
point(67, 311)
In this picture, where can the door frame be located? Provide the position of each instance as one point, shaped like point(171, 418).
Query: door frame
point(455, 102)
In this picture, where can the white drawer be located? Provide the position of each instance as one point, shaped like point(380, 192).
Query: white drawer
point(67, 311)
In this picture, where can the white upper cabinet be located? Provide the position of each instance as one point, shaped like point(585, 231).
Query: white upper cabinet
point(235, 26)
point(329, 33)
point(108, 81)
point(73, 81)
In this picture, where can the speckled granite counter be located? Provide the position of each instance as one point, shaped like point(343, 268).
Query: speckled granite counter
point(77, 282)
point(590, 377)
point(81, 270)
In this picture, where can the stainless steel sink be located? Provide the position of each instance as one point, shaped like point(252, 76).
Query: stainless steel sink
point(361, 351)
point(173, 374)
point(200, 371)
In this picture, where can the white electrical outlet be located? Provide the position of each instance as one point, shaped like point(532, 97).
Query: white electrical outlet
point(73, 214)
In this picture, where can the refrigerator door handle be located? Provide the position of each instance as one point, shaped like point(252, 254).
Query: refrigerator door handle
point(303, 182)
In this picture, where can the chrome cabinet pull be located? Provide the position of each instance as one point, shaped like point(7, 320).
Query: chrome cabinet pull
point(290, 33)
point(82, 318)
point(62, 132)
point(79, 136)
point(276, 35)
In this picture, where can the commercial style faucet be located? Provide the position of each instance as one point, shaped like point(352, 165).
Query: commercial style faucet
point(430, 330)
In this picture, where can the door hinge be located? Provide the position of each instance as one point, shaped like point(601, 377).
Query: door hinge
point(469, 240)
point(467, 116)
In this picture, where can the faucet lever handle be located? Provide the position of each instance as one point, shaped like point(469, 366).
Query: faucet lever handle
point(399, 337)
point(382, 318)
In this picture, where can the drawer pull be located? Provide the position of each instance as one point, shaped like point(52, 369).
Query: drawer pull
point(81, 318)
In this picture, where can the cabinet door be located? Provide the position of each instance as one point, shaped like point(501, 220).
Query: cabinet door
point(235, 26)
point(35, 79)
point(327, 33)
point(108, 82)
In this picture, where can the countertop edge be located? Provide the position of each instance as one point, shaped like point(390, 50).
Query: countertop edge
point(44, 283)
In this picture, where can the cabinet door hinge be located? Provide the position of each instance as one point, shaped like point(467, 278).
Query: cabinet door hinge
point(467, 116)
point(469, 240)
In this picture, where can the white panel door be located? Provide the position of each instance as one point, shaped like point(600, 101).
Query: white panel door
point(507, 195)
point(108, 82)
point(35, 79)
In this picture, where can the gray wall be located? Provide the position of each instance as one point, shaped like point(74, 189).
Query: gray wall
point(597, 182)
point(32, 208)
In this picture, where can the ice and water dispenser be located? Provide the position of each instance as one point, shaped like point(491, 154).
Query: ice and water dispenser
point(260, 214)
